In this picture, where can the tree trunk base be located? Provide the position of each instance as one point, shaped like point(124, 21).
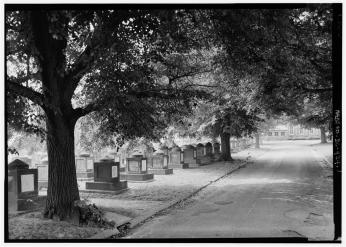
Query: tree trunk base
point(71, 216)
point(226, 159)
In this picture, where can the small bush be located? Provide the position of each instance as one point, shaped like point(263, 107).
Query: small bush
point(90, 215)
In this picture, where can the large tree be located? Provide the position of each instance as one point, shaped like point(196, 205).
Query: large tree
point(72, 63)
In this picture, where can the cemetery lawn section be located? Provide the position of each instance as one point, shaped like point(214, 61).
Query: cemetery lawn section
point(34, 226)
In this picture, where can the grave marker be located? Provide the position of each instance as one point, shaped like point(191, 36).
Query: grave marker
point(176, 158)
point(22, 186)
point(84, 167)
point(190, 156)
point(107, 176)
point(160, 164)
point(42, 170)
point(137, 169)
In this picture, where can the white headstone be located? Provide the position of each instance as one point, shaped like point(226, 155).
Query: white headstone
point(144, 165)
point(114, 171)
point(27, 182)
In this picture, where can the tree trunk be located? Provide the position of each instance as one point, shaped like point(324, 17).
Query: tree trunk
point(62, 179)
point(225, 147)
point(257, 138)
point(323, 135)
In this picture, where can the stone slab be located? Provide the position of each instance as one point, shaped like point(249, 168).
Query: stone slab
point(85, 174)
point(108, 192)
point(180, 166)
point(106, 186)
point(194, 164)
point(167, 171)
point(137, 177)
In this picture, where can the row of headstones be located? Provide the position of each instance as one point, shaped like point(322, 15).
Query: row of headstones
point(24, 183)
point(161, 162)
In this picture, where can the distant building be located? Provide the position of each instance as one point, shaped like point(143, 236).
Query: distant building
point(291, 132)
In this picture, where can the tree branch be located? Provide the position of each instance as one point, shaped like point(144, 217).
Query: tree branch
point(26, 92)
point(83, 111)
point(36, 76)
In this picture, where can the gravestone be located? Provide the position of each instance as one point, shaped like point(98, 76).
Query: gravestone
point(242, 143)
point(190, 156)
point(22, 186)
point(42, 170)
point(233, 144)
point(216, 151)
point(117, 158)
point(208, 147)
point(84, 167)
point(149, 155)
point(216, 148)
point(107, 176)
point(26, 160)
point(204, 153)
point(137, 169)
point(165, 150)
point(200, 150)
point(176, 158)
point(160, 164)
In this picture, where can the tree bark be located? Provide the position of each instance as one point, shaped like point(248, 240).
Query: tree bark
point(225, 147)
point(257, 138)
point(323, 135)
point(62, 181)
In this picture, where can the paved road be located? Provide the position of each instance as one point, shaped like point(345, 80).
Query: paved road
point(285, 192)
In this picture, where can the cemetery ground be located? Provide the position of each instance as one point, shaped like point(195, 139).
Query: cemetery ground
point(286, 192)
point(136, 205)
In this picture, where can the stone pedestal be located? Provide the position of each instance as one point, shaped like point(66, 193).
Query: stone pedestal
point(190, 156)
point(22, 186)
point(176, 158)
point(107, 177)
point(160, 164)
point(42, 170)
point(84, 167)
point(137, 169)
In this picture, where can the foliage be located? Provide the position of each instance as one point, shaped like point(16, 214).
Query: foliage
point(91, 215)
point(288, 50)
